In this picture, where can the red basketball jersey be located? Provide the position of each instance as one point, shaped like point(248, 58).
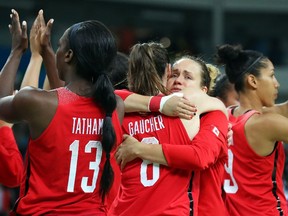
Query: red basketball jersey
point(207, 154)
point(149, 188)
point(65, 164)
point(11, 161)
point(253, 183)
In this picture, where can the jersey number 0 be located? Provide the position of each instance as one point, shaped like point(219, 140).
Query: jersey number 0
point(144, 166)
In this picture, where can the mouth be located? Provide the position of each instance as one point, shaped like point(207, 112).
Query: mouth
point(175, 89)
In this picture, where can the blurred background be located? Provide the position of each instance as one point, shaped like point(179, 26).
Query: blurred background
point(194, 26)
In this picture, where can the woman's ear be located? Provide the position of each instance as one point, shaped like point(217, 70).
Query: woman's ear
point(205, 89)
point(252, 81)
point(69, 55)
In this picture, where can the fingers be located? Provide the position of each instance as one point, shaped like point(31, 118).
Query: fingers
point(35, 25)
point(119, 160)
point(185, 116)
point(14, 15)
point(187, 105)
point(123, 164)
point(14, 21)
point(10, 28)
point(125, 137)
point(41, 18)
point(49, 25)
point(24, 29)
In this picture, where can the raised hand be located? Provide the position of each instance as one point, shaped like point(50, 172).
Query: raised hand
point(43, 31)
point(44, 38)
point(18, 33)
point(31, 76)
point(35, 45)
point(18, 46)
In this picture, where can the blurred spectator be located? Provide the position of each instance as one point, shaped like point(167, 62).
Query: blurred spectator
point(224, 90)
point(118, 71)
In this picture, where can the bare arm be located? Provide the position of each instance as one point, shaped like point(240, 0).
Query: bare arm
point(19, 45)
point(47, 52)
point(46, 84)
point(131, 149)
point(262, 131)
point(11, 164)
point(204, 102)
point(120, 108)
point(171, 105)
point(31, 76)
point(281, 109)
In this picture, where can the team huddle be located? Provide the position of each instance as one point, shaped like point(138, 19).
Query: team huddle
point(161, 144)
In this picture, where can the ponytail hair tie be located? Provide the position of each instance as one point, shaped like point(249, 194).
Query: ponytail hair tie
point(108, 156)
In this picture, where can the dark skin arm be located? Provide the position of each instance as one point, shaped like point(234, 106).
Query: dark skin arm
point(120, 108)
point(27, 104)
point(47, 53)
point(19, 45)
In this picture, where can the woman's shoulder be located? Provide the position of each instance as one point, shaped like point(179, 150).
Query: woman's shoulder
point(29, 97)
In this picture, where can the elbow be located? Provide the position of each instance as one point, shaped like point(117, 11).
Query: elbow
point(12, 181)
point(205, 161)
point(204, 164)
point(12, 177)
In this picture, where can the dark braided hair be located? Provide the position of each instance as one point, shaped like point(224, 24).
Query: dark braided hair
point(94, 49)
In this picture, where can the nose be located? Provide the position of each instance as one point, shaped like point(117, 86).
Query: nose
point(178, 80)
point(277, 84)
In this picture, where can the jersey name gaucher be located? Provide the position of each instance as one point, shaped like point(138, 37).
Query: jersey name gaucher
point(142, 126)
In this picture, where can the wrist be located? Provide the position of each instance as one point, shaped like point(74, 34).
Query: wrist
point(16, 54)
point(139, 150)
point(154, 103)
point(166, 98)
point(47, 50)
point(36, 56)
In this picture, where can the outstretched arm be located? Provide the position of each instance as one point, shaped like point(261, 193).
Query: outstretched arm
point(170, 105)
point(19, 45)
point(203, 101)
point(31, 76)
point(281, 109)
point(11, 164)
point(47, 52)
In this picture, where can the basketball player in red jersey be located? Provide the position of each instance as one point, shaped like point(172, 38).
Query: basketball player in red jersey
point(253, 180)
point(73, 130)
point(145, 184)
